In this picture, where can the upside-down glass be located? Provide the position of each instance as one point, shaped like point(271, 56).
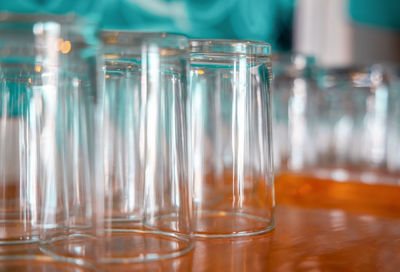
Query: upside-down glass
point(46, 93)
point(144, 149)
point(230, 164)
point(353, 127)
point(393, 125)
point(294, 93)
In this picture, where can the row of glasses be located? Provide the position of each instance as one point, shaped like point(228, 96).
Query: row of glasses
point(160, 188)
point(122, 146)
point(335, 124)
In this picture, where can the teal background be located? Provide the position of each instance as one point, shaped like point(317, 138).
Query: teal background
point(265, 20)
point(376, 13)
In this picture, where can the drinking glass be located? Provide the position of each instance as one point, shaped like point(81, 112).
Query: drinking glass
point(46, 92)
point(230, 145)
point(392, 72)
point(142, 128)
point(294, 93)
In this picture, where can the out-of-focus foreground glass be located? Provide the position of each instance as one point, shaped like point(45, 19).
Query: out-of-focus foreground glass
point(144, 149)
point(345, 129)
point(230, 163)
point(47, 84)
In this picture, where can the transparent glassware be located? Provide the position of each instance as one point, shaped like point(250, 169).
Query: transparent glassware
point(230, 141)
point(294, 93)
point(355, 110)
point(392, 74)
point(46, 93)
point(142, 126)
point(352, 127)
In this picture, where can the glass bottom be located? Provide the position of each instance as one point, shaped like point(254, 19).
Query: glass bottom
point(76, 248)
point(33, 263)
point(182, 264)
point(229, 224)
point(128, 245)
point(13, 232)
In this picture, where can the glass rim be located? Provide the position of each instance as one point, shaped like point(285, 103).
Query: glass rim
point(230, 46)
point(359, 75)
point(352, 69)
point(294, 59)
point(127, 38)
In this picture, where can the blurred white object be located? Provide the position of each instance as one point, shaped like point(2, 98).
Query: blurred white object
point(322, 29)
point(325, 30)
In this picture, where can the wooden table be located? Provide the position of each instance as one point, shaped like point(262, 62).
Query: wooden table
point(320, 226)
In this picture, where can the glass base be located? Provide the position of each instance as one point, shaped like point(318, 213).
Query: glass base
point(39, 263)
point(229, 224)
point(76, 248)
point(128, 245)
point(13, 232)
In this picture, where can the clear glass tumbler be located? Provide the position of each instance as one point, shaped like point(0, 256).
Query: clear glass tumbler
point(144, 146)
point(230, 145)
point(46, 93)
point(393, 125)
point(294, 93)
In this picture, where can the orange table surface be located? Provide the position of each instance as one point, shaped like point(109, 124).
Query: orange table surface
point(320, 226)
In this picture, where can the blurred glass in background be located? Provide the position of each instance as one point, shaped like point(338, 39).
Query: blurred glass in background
point(293, 94)
point(337, 123)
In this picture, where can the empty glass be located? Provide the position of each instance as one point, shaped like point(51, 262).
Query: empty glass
point(294, 93)
point(393, 125)
point(143, 148)
point(230, 164)
point(46, 92)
